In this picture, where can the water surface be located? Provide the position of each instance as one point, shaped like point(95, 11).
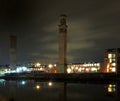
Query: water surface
point(31, 90)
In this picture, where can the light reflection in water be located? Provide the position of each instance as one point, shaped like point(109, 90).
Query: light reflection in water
point(2, 82)
point(111, 88)
point(23, 82)
point(55, 91)
point(38, 87)
point(50, 83)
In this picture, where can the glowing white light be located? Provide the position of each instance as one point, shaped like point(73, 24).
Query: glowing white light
point(76, 68)
point(55, 65)
point(37, 87)
point(50, 65)
point(79, 69)
point(23, 82)
point(98, 64)
point(18, 70)
point(113, 64)
point(110, 60)
point(37, 64)
point(93, 69)
point(110, 90)
point(109, 56)
point(113, 69)
point(50, 84)
point(87, 69)
point(68, 70)
point(24, 68)
point(84, 64)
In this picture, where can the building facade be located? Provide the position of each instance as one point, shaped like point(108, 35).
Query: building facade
point(112, 60)
point(90, 67)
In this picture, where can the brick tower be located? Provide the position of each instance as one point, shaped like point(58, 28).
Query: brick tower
point(12, 51)
point(62, 64)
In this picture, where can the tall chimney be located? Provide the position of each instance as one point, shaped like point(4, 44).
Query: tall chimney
point(13, 46)
point(62, 64)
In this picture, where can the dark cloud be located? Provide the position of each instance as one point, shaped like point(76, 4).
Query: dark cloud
point(93, 26)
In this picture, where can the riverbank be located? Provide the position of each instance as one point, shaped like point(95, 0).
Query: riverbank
point(60, 77)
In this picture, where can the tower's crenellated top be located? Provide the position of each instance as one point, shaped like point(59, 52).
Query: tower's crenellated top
point(63, 25)
point(63, 19)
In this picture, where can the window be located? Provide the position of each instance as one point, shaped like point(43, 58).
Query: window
point(109, 56)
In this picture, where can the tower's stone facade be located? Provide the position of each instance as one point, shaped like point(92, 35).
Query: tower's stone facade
point(13, 50)
point(62, 64)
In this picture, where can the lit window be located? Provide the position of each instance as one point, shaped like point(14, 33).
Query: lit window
point(110, 60)
point(109, 55)
point(93, 69)
point(98, 64)
point(114, 64)
point(114, 69)
point(113, 55)
point(113, 60)
point(68, 70)
point(111, 88)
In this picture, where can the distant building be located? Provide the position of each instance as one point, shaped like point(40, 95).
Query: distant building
point(90, 67)
point(112, 60)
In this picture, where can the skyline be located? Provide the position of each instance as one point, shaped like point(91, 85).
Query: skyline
point(93, 27)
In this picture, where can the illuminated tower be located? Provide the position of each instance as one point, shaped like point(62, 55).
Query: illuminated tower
point(12, 51)
point(112, 60)
point(62, 65)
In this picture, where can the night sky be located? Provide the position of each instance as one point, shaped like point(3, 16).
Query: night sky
point(93, 26)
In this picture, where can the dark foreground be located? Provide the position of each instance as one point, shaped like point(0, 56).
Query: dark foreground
point(60, 77)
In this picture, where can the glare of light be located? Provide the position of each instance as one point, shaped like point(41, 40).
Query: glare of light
point(50, 65)
point(24, 68)
point(37, 87)
point(93, 69)
point(68, 70)
point(114, 69)
point(87, 69)
point(6, 70)
point(18, 70)
point(98, 64)
point(79, 69)
point(88, 64)
point(72, 67)
point(112, 85)
point(23, 82)
point(107, 70)
point(110, 60)
point(55, 65)
point(109, 56)
point(113, 64)
point(41, 68)
point(110, 90)
point(50, 84)
point(37, 64)
point(108, 65)
point(76, 68)
point(84, 64)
